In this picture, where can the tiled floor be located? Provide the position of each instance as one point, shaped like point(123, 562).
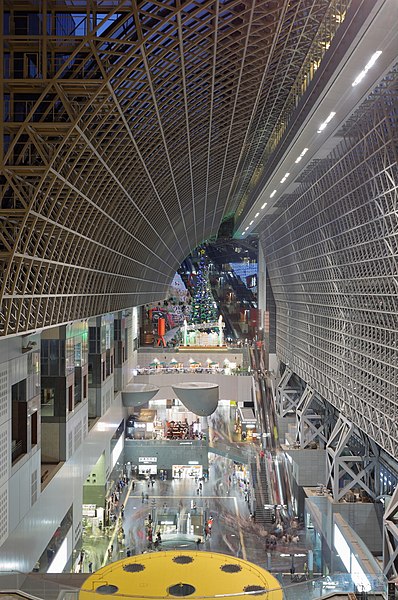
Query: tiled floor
point(233, 532)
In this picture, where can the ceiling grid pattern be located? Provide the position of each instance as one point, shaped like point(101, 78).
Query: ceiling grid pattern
point(124, 128)
point(331, 250)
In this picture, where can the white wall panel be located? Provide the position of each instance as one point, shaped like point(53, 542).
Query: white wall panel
point(30, 537)
point(17, 370)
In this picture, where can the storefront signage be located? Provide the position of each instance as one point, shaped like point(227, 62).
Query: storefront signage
point(147, 460)
point(89, 510)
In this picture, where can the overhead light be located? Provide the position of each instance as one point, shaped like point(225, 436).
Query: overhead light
point(246, 228)
point(286, 175)
point(243, 233)
point(301, 155)
point(368, 66)
point(273, 194)
point(325, 123)
point(256, 215)
point(264, 205)
point(251, 222)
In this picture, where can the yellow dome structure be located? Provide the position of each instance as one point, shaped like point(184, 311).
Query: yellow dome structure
point(181, 574)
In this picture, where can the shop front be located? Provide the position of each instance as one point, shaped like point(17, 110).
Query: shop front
point(147, 465)
point(146, 426)
point(190, 471)
point(245, 423)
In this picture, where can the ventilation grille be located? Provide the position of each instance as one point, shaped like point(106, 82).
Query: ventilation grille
point(3, 515)
point(34, 487)
point(134, 568)
point(183, 560)
point(231, 568)
point(78, 435)
point(3, 395)
point(70, 444)
point(4, 445)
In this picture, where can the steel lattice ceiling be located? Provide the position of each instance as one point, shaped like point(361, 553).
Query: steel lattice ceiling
point(129, 130)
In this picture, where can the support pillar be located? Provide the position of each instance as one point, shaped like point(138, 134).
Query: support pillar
point(311, 422)
point(390, 538)
point(287, 398)
point(352, 461)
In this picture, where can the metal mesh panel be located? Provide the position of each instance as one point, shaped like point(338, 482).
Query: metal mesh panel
point(332, 257)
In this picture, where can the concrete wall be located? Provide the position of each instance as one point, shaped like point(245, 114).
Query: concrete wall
point(308, 466)
point(361, 516)
point(285, 425)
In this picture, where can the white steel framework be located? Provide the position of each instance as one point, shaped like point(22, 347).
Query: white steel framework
point(331, 249)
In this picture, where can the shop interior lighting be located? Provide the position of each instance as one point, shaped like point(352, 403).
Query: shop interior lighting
point(368, 66)
point(272, 194)
point(243, 233)
point(263, 206)
point(301, 155)
point(246, 228)
point(251, 222)
point(325, 123)
point(286, 175)
point(256, 215)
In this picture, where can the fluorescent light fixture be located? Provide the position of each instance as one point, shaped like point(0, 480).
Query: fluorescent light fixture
point(263, 206)
point(349, 561)
point(243, 233)
point(368, 66)
point(272, 194)
point(325, 123)
point(60, 559)
point(251, 222)
point(286, 175)
point(301, 155)
point(246, 228)
point(256, 215)
point(116, 452)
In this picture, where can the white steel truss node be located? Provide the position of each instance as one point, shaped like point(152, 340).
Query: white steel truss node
point(287, 398)
point(351, 462)
point(390, 537)
point(311, 424)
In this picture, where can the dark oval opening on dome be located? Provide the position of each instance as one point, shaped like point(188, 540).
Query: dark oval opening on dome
point(183, 560)
point(107, 589)
point(231, 568)
point(133, 567)
point(255, 589)
point(181, 589)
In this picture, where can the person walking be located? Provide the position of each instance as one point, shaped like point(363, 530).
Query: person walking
point(90, 567)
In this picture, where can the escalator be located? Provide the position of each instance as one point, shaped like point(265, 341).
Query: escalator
point(243, 294)
point(273, 492)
